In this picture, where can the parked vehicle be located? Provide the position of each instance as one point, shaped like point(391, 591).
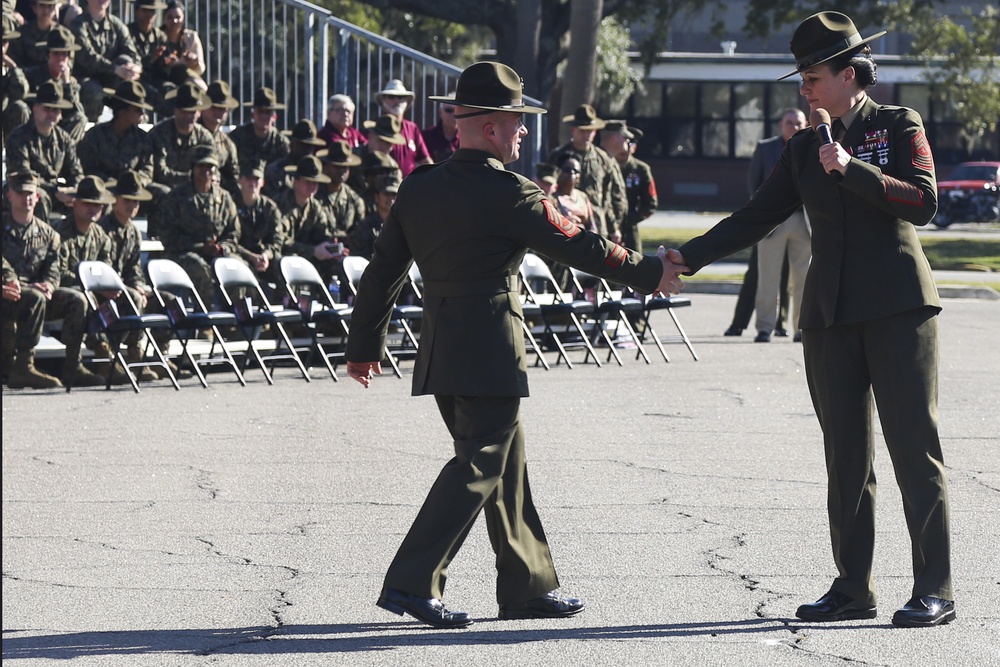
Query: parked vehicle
point(971, 194)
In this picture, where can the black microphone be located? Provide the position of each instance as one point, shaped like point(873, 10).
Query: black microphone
point(820, 121)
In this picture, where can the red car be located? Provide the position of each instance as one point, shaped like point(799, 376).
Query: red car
point(971, 194)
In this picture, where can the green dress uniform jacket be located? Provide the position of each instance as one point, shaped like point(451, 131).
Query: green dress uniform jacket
point(471, 339)
point(867, 261)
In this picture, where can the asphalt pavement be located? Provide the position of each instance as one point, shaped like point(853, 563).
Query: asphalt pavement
point(684, 501)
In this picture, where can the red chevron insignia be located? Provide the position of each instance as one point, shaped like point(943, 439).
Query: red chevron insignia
point(559, 221)
point(902, 192)
point(617, 256)
point(921, 152)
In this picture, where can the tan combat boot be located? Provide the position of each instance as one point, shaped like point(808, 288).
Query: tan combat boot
point(118, 374)
point(75, 374)
point(24, 374)
point(133, 355)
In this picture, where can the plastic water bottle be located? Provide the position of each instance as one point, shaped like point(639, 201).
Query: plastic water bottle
point(335, 289)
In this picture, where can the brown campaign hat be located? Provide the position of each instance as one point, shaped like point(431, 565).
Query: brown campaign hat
point(310, 169)
point(339, 154)
point(23, 181)
point(387, 183)
point(10, 32)
point(149, 4)
point(91, 189)
point(824, 36)
point(388, 128)
point(130, 186)
point(205, 154)
point(131, 93)
point(546, 172)
point(50, 94)
point(188, 97)
point(584, 118)
point(619, 127)
point(305, 131)
point(395, 88)
point(375, 161)
point(265, 98)
point(60, 39)
point(637, 134)
point(252, 169)
point(490, 86)
point(221, 95)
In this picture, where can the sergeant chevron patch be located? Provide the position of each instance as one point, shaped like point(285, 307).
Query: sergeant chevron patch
point(902, 192)
point(617, 256)
point(559, 221)
point(921, 151)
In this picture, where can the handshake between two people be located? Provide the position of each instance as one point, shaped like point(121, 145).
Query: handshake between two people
point(673, 267)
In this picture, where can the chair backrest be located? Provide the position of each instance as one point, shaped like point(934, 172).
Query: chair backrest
point(99, 277)
point(354, 267)
point(299, 272)
point(233, 274)
point(416, 280)
point(167, 276)
point(535, 273)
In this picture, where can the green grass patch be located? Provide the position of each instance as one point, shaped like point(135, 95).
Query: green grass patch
point(944, 254)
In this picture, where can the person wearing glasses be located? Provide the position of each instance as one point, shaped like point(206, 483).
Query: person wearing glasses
point(339, 124)
point(394, 100)
point(442, 138)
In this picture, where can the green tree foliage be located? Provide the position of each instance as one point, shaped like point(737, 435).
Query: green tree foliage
point(616, 81)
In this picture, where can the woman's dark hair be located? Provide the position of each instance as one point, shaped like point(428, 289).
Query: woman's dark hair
point(865, 68)
point(564, 157)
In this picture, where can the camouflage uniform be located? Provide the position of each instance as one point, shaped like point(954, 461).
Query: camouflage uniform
point(126, 253)
point(602, 180)
point(252, 149)
point(34, 251)
point(77, 246)
point(74, 121)
point(304, 228)
point(229, 165)
point(103, 153)
point(50, 157)
point(345, 209)
point(15, 111)
point(640, 190)
point(25, 50)
point(106, 44)
point(363, 235)
point(261, 231)
point(190, 221)
point(173, 153)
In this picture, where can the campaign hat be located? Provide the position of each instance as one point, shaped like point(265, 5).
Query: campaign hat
point(376, 161)
point(585, 118)
point(50, 94)
point(305, 131)
point(188, 97)
point(129, 185)
point(221, 95)
point(91, 189)
point(252, 168)
point(822, 37)
point(60, 39)
point(131, 93)
point(149, 4)
point(205, 154)
point(489, 86)
point(386, 183)
point(339, 154)
point(23, 181)
point(388, 128)
point(310, 169)
point(619, 127)
point(265, 98)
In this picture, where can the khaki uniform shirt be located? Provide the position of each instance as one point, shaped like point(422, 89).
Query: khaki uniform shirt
point(77, 246)
point(32, 251)
point(103, 153)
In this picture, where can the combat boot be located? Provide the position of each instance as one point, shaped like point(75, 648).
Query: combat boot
point(133, 355)
point(118, 374)
point(75, 374)
point(24, 374)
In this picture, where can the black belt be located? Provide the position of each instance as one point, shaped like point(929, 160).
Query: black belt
point(486, 286)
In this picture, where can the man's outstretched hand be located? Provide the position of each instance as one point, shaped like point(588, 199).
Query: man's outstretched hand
point(363, 372)
point(673, 267)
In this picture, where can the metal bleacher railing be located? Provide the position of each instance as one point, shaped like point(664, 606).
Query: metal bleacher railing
point(306, 54)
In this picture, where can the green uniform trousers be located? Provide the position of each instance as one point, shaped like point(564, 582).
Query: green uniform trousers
point(894, 358)
point(488, 473)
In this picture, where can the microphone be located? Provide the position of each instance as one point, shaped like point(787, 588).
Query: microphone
point(820, 121)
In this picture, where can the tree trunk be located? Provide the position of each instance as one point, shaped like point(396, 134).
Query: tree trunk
point(578, 79)
point(529, 25)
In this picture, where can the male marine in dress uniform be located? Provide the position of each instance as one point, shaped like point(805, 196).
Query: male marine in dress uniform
point(471, 355)
point(869, 314)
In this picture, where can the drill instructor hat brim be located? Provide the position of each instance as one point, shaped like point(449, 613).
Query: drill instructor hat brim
point(491, 87)
point(822, 37)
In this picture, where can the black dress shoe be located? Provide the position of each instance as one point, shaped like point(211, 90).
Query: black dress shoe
point(780, 333)
point(835, 606)
point(762, 337)
point(925, 611)
point(426, 610)
point(549, 605)
point(733, 331)
point(797, 338)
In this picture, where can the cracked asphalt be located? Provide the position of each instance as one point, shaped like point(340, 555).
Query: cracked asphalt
point(685, 502)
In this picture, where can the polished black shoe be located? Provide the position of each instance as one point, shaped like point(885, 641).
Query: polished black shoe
point(426, 610)
point(733, 331)
point(780, 333)
point(835, 606)
point(762, 337)
point(549, 605)
point(797, 338)
point(924, 612)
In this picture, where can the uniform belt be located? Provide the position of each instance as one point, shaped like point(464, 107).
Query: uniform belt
point(442, 289)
